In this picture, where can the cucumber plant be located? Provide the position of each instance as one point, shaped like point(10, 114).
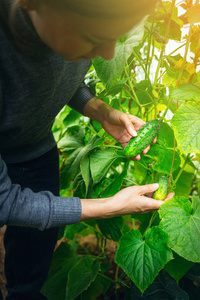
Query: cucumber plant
point(156, 252)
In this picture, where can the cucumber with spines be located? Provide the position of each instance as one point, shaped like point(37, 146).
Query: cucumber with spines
point(161, 192)
point(145, 136)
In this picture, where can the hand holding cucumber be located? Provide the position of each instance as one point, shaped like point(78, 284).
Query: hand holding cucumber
point(130, 200)
point(146, 134)
point(126, 129)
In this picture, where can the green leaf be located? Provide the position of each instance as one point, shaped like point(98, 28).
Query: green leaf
point(142, 259)
point(193, 14)
point(63, 260)
point(166, 136)
point(161, 159)
point(178, 267)
point(85, 170)
point(100, 162)
point(72, 118)
point(114, 187)
point(71, 167)
point(181, 220)
point(186, 125)
point(164, 287)
point(81, 276)
point(94, 291)
point(109, 71)
point(70, 230)
point(73, 139)
point(184, 183)
point(143, 91)
point(186, 91)
point(111, 228)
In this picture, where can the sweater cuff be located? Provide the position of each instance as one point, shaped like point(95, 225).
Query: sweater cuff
point(65, 211)
point(80, 98)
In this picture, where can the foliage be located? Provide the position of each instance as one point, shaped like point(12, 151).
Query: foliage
point(146, 80)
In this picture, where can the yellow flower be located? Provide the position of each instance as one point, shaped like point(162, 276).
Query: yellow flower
point(178, 64)
point(190, 67)
point(195, 29)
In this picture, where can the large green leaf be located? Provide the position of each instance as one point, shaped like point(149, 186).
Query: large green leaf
point(186, 91)
point(166, 136)
point(186, 125)
point(112, 227)
point(72, 165)
point(164, 287)
point(115, 186)
point(100, 162)
point(183, 185)
point(63, 260)
point(178, 267)
point(161, 158)
point(73, 139)
point(161, 155)
point(181, 220)
point(109, 71)
point(81, 276)
point(142, 259)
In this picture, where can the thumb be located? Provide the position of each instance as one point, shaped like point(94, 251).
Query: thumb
point(129, 125)
point(148, 188)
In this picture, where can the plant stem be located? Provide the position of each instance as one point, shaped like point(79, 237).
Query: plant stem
point(142, 65)
point(116, 273)
point(133, 91)
point(93, 228)
point(151, 221)
point(185, 57)
point(177, 49)
point(171, 171)
point(166, 110)
point(160, 62)
point(181, 171)
point(107, 278)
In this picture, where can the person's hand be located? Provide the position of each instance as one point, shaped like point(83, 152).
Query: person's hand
point(123, 127)
point(119, 125)
point(136, 200)
point(130, 200)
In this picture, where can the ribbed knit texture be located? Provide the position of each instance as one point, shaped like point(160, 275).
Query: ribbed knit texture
point(33, 89)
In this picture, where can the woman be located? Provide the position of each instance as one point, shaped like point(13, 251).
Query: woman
point(45, 52)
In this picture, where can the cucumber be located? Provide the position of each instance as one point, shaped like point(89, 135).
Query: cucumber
point(145, 136)
point(161, 192)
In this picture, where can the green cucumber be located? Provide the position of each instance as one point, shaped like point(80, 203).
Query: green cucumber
point(145, 136)
point(161, 192)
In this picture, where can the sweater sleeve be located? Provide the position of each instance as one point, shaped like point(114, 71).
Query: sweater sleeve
point(40, 210)
point(80, 98)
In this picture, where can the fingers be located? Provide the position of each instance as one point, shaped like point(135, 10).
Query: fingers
point(148, 188)
point(154, 140)
point(129, 125)
point(146, 149)
point(155, 204)
point(169, 196)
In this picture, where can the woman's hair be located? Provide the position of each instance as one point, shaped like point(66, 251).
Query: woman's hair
point(100, 8)
point(104, 9)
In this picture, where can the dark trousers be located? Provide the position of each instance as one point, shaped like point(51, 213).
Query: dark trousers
point(28, 250)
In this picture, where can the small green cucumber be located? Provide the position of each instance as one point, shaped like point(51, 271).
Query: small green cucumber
point(145, 136)
point(161, 192)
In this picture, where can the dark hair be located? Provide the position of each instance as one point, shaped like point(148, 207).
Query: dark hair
point(94, 8)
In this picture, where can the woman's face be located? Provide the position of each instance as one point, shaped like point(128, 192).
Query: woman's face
point(76, 37)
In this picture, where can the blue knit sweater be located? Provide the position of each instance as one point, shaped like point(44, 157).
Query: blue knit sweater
point(33, 89)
